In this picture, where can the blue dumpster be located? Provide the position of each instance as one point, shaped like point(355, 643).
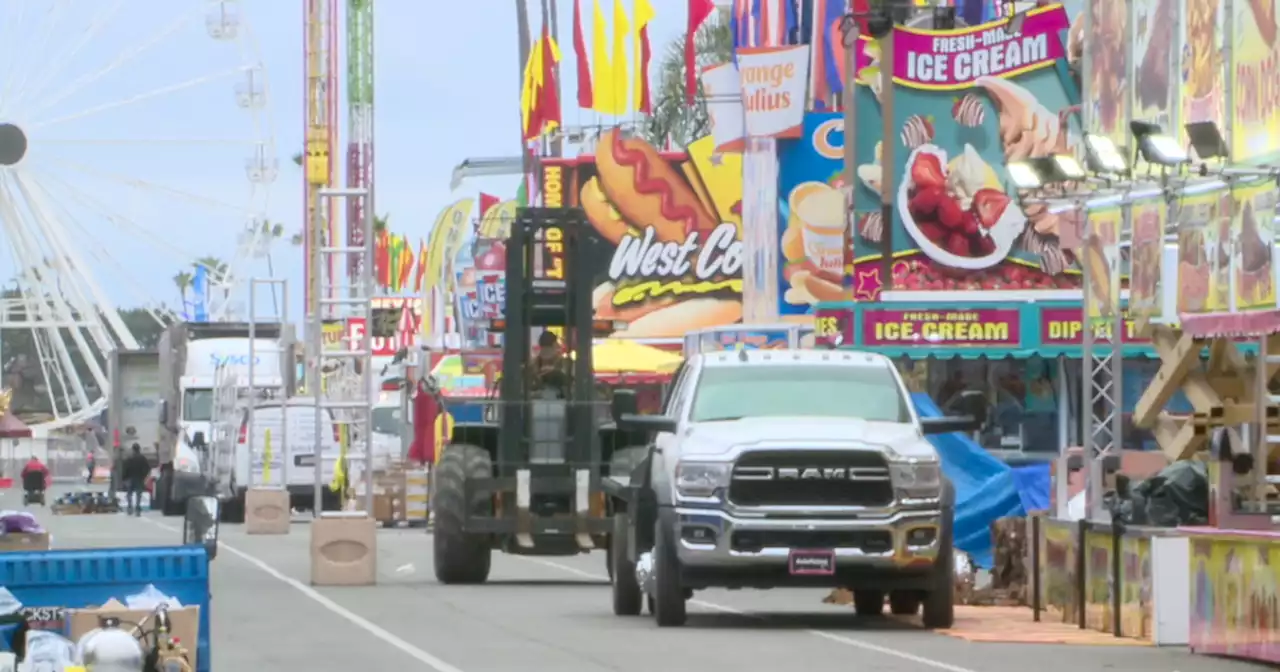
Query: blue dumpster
point(77, 579)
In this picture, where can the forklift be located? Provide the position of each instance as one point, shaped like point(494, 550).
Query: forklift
point(527, 478)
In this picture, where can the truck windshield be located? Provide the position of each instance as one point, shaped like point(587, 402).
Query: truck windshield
point(386, 420)
point(736, 392)
point(197, 405)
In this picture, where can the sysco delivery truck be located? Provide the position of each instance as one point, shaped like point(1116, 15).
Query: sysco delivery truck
point(133, 403)
point(191, 353)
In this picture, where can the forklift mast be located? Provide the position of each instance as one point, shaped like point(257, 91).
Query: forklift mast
point(549, 284)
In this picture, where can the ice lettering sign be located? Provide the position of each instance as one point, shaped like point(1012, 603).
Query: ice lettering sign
point(958, 58)
point(967, 102)
point(988, 327)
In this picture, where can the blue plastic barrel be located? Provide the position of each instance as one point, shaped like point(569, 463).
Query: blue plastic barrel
point(78, 579)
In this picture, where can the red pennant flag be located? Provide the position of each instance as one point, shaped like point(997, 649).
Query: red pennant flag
point(549, 96)
point(585, 100)
point(699, 10)
point(487, 201)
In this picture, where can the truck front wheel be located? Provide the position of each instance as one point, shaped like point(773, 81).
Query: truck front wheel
point(169, 505)
point(669, 600)
point(939, 602)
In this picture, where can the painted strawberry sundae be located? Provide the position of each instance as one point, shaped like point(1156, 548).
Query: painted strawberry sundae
point(957, 210)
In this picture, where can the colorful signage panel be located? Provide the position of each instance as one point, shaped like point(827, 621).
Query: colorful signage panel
point(671, 257)
point(967, 102)
point(1253, 230)
point(1200, 254)
point(1154, 56)
point(1064, 327)
point(1146, 259)
point(833, 326)
point(1255, 82)
point(1101, 261)
point(1235, 590)
point(1109, 70)
point(1204, 70)
point(986, 327)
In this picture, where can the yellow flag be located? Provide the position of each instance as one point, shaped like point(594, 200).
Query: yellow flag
point(621, 79)
point(266, 458)
point(644, 14)
point(602, 85)
point(531, 83)
point(339, 482)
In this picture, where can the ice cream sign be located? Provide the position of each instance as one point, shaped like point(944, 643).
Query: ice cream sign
point(993, 327)
point(927, 58)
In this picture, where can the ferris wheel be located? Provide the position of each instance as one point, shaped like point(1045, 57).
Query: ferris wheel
point(136, 154)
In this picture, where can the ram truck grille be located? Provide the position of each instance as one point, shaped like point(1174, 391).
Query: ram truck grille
point(811, 478)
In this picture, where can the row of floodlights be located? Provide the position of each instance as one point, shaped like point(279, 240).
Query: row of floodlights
point(1105, 160)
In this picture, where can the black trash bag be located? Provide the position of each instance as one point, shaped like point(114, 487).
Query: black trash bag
point(1178, 495)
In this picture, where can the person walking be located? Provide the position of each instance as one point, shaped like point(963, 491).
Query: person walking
point(135, 473)
point(90, 462)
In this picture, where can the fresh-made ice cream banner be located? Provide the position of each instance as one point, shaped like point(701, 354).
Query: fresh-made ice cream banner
point(669, 229)
point(967, 329)
point(967, 101)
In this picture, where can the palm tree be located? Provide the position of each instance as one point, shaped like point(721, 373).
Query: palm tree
point(183, 279)
point(673, 120)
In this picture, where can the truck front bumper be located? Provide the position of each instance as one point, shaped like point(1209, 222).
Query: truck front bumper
point(901, 541)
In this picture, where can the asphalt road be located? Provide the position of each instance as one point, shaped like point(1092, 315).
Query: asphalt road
point(551, 614)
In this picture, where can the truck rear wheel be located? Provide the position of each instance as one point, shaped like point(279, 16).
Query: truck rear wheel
point(868, 602)
point(626, 590)
point(669, 601)
point(939, 602)
point(459, 557)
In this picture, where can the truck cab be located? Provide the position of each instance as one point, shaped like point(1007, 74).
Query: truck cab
point(193, 359)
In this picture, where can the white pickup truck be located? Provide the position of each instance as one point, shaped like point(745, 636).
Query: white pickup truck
point(786, 468)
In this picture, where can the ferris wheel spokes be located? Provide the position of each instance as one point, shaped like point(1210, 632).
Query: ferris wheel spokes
point(124, 58)
point(104, 309)
point(48, 310)
point(137, 98)
point(137, 183)
point(54, 67)
point(20, 68)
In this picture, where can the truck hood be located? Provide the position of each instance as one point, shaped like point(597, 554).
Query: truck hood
point(711, 439)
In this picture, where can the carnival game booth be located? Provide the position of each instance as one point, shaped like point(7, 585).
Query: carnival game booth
point(467, 379)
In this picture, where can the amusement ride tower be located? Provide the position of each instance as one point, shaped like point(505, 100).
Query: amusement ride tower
point(321, 110)
point(360, 125)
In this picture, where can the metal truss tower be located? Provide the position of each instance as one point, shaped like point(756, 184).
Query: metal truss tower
point(320, 45)
point(360, 127)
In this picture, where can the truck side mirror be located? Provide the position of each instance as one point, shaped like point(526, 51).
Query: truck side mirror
point(164, 412)
point(197, 440)
point(624, 402)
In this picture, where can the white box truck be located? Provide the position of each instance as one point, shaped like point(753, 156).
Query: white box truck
point(191, 354)
point(133, 405)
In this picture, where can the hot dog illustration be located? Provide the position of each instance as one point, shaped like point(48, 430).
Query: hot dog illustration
point(647, 190)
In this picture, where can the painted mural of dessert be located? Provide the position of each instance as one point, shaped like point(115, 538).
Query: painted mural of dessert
point(1152, 81)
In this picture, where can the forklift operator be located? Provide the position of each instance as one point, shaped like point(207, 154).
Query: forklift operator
point(547, 368)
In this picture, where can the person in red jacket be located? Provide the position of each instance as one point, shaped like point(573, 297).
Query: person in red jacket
point(35, 466)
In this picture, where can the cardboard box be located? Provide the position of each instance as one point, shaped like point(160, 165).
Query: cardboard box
point(184, 623)
point(388, 508)
point(24, 541)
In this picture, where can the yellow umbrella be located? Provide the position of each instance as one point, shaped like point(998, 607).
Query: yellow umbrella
point(620, 355)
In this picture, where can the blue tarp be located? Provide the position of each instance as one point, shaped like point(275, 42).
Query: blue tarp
point(986, 488)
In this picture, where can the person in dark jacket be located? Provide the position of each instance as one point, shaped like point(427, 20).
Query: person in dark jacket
point(135, 473)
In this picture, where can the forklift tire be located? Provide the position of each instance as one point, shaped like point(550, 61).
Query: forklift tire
point(623, 461)
point(626, 591)
point(669, 599)
point(460, 558)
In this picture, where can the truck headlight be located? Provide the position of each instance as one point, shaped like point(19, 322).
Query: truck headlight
point(701, 479)
point(187, 465)
point(916, 479)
